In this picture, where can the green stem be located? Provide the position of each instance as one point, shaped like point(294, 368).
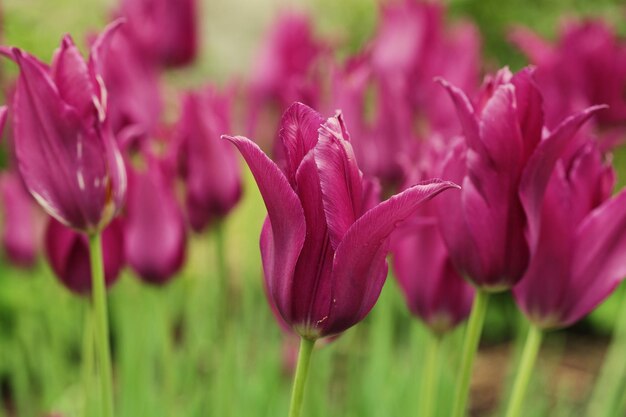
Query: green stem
point(430, 380)
point(470, 346)
point(220, 252)
point(101, 324)
point(607, 389)
point(527, 363)
point(302, 369)
point(88, 365)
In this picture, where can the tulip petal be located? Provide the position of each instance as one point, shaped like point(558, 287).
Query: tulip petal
point(540, 166)
point(298, 134)
point(599, 264)
point(340, 181)
point(529, 109)
point(285, 215)
point(359, 269)
point(466, 114)
point(71, 76)
point(312, 277)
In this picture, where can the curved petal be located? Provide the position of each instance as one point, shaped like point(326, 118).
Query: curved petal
point(359, 268)
point(340, 182)
point(286, 217)
point(540, 166)
point(599, 264)
point(298, 134)
point(529, 109)
point(466, 114)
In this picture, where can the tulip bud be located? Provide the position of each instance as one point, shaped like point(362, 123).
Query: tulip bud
point(154, 229)
point(65, 150)
point(67, 252)
point(323, 252)
point(209, 165)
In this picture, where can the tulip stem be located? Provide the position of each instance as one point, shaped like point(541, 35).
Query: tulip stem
point(302, 369)
point(470, 346)
point(527, 363)
point(430, 380)
point(608, 387)
point(220, 253)
point(88, 364)
point(100, 323)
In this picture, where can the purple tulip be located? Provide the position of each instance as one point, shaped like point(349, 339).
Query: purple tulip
point(432, 288)
point(154, 228)
point(578, 240)
point(166, 31)
point(484, 227)
point(586, 66)
point(65, 151)
point(286, 70)
point(21, 221)
point(134, 97)
point(67, 252)
point(324, 255)
point(209, 165)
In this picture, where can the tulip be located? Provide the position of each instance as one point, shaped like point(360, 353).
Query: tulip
point(432, 288)
point(209, 165)
point(586, 66)
point(485, 225)
point(134, 97)
point(154, 228)
point(69, 160)
point(578, 241)
point(286, 70)
point(324, 255)
point(67, 252)
point(21, 221)
point(165, 31)
point(65, 151)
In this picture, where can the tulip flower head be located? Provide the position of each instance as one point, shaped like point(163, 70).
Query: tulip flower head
point(484, 227)
point(323, 252)
point(578, 236)
point(67, 252)
point(154, 228)
point(209, 165)
point(64, 147)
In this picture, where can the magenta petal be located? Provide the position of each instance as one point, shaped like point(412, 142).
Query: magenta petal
point(340, 181)
point(466, 114)
point(154, 230)
point(73, 81)
point(298, 134)
point(599, 264)
point(286, 217)
point(312, 277)
point(359, 269)
point(67, 252)
point(540, 166)
point(529, 105)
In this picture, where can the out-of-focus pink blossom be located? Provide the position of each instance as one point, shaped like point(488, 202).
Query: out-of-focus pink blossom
point(209, 165)
point(67, 252)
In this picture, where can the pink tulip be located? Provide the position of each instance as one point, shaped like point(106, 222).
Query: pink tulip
point(165, 31)
point(65, 150)
point(324, 253)
point(578, 240)
point(154, 228)
point(484, 227)
point(209, 165)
